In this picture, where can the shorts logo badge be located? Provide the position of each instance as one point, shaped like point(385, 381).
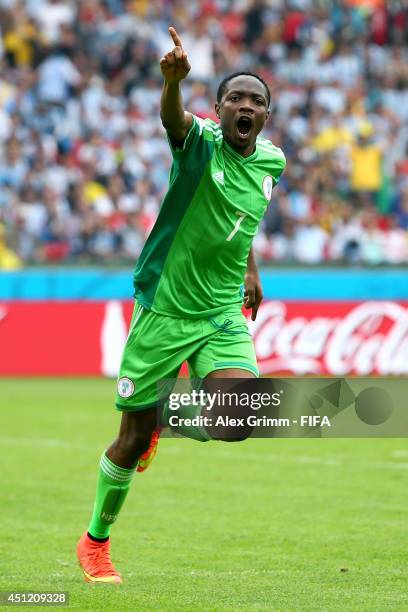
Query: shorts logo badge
point(126, 387)
point(267, 185)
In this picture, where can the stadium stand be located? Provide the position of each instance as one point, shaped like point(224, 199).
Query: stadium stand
point(83, 158)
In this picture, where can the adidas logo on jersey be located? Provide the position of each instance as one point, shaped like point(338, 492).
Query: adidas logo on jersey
point(219, 177)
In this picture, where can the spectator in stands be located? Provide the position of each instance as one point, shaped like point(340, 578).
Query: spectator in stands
point(8, 259)
point(366, 164)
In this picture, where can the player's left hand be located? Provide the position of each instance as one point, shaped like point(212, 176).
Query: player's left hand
point(253, 295)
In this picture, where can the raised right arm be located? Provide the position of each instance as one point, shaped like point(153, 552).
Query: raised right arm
point(174, 67)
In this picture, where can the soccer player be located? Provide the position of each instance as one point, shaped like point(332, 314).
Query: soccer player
point(193, 275)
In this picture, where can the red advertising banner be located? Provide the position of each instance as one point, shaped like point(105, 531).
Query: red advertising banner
point(332, 338)
point(321, 338)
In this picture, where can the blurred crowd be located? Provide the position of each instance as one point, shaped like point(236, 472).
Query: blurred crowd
point(84, 160)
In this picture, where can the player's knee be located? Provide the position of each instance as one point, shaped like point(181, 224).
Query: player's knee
point(135, 444)
point(141, 441)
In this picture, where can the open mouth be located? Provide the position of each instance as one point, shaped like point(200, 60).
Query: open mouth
point(244, 125)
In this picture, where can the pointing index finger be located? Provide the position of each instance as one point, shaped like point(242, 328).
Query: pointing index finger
point(175, 37)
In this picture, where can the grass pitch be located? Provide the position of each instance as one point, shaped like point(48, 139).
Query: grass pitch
point(259, 525)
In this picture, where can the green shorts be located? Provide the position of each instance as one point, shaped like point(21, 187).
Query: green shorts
point(158, 345)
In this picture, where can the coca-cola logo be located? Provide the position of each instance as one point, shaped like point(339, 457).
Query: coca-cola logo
point(3, 312)
point(367, 338)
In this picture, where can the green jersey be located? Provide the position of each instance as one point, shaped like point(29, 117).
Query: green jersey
point(194, 261)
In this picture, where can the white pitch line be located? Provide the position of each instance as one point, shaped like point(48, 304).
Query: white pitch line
point(400, 453)
point(36, 442)
point(388, 465)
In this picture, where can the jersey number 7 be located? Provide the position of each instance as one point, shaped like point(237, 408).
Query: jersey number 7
point(241, 217)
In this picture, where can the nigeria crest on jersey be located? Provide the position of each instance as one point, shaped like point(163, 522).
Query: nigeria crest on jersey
point(267, 185)
point(126, 387)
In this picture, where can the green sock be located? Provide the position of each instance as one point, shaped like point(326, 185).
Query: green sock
point(111, 490)
point(195, 432)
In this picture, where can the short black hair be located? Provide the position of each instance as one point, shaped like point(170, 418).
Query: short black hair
point(223, 85)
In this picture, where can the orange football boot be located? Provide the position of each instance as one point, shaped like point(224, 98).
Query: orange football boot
point(94, 558)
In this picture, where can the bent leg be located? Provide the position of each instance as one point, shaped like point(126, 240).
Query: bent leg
point(223, 430)
point(228, 352)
